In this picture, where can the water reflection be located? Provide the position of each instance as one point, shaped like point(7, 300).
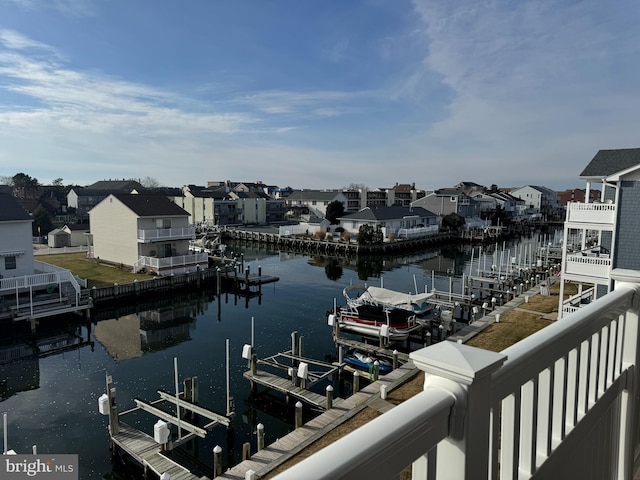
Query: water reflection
point(21, 351)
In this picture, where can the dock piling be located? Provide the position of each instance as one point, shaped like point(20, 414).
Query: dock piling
point(217, 461)
point(329, 397)
point(246, 451)
point(260, 434)
point(356, 382)
point(298, 421)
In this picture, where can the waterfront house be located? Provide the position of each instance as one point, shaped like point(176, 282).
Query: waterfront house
point(395, 221)
point(512, 206)
point(602, 234)
point(314, 201)
point(538, 199)
point(16, 250)
point(30, 289)
point(446, 201)
point(144, 231)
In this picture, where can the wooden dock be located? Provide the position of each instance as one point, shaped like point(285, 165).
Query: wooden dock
point(147, 452)
point(283, 449)
point(287, 385)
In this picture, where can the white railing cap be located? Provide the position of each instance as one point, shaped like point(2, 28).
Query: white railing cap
point(457, 362)
point(625, 275)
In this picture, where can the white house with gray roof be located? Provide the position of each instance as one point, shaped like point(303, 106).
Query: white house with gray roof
point(16, 249)
point(393, 220)
point(144, 231)
point(30, 289)
point(315, 200)
point(538, 199)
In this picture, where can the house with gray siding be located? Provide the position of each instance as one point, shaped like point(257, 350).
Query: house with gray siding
point(16, 249)
point(29, 289)
point(446, 201)
point(602, 234)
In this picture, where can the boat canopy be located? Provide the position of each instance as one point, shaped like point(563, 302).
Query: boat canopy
point(391, 298)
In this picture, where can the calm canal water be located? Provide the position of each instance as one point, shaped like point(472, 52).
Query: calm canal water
point(51, 402)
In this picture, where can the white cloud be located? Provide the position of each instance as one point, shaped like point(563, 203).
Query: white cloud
point(526, 80)
point(75, 8)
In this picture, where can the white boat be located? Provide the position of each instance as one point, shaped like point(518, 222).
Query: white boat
point(384, 297)
point(380, 312)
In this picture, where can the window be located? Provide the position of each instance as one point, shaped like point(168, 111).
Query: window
point(10, 263)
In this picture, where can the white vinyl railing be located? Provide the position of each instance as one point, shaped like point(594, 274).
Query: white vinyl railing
point(603, 213)
point(417, 232)
point(48, 275)
point(177, 264)
point(158, 234)
point(561, 403)
point(588, 265)
point(60, 250)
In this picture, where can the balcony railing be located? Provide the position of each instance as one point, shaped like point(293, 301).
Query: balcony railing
point(595, 213)
point(163, 234)
point(169, 265)
point(568, 392)
point(588, 265)
point(575, 302)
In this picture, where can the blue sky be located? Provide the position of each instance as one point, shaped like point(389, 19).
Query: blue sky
point(317, 94)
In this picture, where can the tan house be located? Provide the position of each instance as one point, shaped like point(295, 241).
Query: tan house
point(144, 231)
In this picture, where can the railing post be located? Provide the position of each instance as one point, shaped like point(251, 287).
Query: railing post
point(466, 375)
point(630, 356)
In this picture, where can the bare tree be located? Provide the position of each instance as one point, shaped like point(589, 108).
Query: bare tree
point(6, 180)
point(150, 182)
point(356, 186)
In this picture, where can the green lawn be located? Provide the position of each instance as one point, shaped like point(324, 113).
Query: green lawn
point(97, 274)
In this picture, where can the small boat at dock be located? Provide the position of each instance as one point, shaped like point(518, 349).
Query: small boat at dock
point(380, 312)
point(363, 361)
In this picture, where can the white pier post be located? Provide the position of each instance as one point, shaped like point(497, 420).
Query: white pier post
point(260, 434)
point(329, 397)
point(298, 414)
point(217, 461)
point(356, 382)
point(466, 375)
